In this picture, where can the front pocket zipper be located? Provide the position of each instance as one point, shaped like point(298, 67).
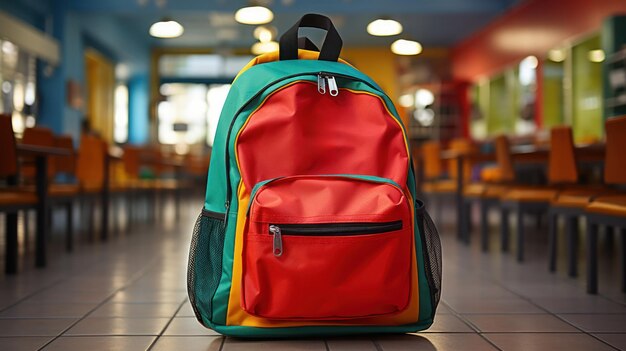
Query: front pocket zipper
point(328, 229)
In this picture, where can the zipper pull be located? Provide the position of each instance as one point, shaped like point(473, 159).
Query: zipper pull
point(332, 86)
point(321, 84)
point(278, 240)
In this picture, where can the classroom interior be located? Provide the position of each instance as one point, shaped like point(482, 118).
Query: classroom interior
point(515, 118)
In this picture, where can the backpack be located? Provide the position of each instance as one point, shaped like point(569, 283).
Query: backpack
point(310, 224)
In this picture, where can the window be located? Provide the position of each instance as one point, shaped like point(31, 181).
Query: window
point(193, 91)
point(189, 113)
point(120, 125)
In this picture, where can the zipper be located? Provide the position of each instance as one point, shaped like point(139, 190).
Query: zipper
point(328, 229)
point(322, 78)
point(257, 94)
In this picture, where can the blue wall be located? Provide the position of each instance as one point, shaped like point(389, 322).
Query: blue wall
point(75, 31)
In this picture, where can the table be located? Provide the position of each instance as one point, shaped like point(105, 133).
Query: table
point(41, 154)
point(531, 155)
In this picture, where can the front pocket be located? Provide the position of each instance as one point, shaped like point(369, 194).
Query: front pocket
point(327, 247)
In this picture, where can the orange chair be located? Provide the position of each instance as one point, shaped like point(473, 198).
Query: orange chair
point(489, 192)
point(608, 210)
point(562, 175)
point(12, 200)
point(570, 202)
point(437, 185)
point(59, 194)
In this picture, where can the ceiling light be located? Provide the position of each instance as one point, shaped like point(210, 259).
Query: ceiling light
point(406, 100)
point(406, 47)
point(264, 47)
point(530, 62)
point(557, 55)
point(424, 97)
point(596, 55)
point(384, 27)
point(264, 33)
point(254, 15)
point(166, 28)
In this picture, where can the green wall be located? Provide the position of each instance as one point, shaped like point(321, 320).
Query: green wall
point(553, 99)
point(586, 92)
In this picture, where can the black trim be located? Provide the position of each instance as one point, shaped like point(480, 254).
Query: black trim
point(306, 44)
point(339, 229)
point(211, 214)
point(420, 209)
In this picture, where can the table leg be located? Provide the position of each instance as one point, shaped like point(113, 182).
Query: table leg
point(460, 208)
point(42, 210)
point(105, 200)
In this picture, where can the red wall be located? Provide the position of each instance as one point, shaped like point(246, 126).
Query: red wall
point(532, 28)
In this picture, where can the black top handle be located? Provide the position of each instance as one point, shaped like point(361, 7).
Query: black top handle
point(331, 48)
point(306, 44)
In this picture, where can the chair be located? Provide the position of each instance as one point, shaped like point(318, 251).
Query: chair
point(12, 200)
point(90, 169)
point(569, 203)
point(562, 171)
point(435, 186)
point(60, 194)
point(488, 193)
point(608, 210)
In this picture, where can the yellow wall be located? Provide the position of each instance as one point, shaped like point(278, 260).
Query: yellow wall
point(380, 65)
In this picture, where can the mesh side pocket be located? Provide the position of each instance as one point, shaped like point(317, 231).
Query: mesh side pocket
point(205, 262)
point(431, 245)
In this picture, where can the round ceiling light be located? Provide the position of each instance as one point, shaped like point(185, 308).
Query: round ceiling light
point(557, 55)
point(264, 33)
point(596, 55)
point(166, 28)
point(384, 27)
point(254, 15)
point(264, 47)
point(406, 47)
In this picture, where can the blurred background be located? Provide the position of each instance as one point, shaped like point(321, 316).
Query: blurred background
point(482, 68)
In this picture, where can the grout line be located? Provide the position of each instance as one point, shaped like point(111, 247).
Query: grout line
point(326, 345)
point(166, 325)
point(377, 345)
point(31, 295)
point(138, 275)
point(529, 300)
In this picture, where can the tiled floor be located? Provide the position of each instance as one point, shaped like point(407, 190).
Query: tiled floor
point(129, 294)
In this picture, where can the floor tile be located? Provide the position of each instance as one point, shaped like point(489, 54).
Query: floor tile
point(231, 344)
point(448, 323)
point(33, 327)
point(48, 310)
point(478, 305)
point(186, 311)
point(612, 323)
point(434, 341)
point(350, 344)
point(149, 296)
point(188, 343)
point(23, 343)
point(136, 310)
point(118, 326)
point(587, 304)
point(109, 343)
point(187, 326)
point(519, 323)
point(616, 340)
point(443, 308)
point(546, 341)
